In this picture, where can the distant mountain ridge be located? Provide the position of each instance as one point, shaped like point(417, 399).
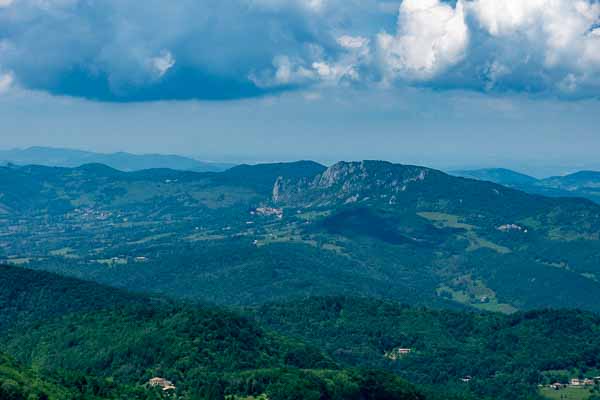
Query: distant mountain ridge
point(60, 157)
point(501, 176)
point(579, 184)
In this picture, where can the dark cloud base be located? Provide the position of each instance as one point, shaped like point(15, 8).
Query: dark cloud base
point(178, 84)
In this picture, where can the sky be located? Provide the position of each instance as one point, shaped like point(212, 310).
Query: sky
point(449, 84)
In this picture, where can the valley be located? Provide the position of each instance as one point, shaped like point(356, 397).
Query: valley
point(254, 234)
point(273, 280)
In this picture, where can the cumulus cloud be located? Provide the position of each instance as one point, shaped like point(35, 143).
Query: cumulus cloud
point(125, 50)
point(318, 67)
point(559, 33)
point(431, 36)
point(535, 45)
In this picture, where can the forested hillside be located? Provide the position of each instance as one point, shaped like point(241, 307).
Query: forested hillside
point(111, 348)
point(261, 233)
point(507, 357)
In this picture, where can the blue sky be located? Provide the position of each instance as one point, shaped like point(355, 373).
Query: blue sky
point(462, 83)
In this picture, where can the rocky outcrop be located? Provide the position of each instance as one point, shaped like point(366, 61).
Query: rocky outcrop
point(351, 182)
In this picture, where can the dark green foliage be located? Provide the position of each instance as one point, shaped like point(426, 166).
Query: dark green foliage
point(28, 296)
point(134, 344)
point(111, 347)
point(287, 384)
point(506, 355)
point(387, 227)
point(18, 383)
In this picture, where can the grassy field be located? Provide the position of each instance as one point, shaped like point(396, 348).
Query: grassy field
point(453, 221)
point(569, 393)
point(474, 291)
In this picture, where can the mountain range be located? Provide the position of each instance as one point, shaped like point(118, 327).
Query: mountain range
point(362, 281)
point(580, 184)
point(58, 157)
point(257, 234)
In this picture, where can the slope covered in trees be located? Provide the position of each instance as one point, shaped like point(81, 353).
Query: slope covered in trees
point(113, 345)
point(507, 356)
point(291, 230)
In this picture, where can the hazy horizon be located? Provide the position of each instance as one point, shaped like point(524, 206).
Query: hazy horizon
point(538, 170)
point(445, 84)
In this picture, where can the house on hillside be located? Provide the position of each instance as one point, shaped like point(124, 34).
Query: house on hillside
point(161, 383)
point(397, 353)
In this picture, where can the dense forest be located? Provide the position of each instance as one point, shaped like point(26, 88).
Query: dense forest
point(86, 341)
point(473, 260)
point(113, 344)
point(507, 357)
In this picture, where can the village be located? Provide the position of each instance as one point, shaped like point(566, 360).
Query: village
point(574, 389)
point(576, 383)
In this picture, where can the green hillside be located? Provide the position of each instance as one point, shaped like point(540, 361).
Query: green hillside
point(261, 233)
point(18, 383)
point(111, 348)
point(28, 296)
point(506, 356)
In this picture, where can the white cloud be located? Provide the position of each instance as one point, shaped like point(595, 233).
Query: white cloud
point(542, 46)
point(285, 71)
point(163, 63)
point(352, 42)
point(6, 82)
point(431, 36)
point(558, 35)
point(316, 67)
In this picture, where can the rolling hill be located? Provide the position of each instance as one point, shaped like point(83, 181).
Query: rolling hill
point(504, 357)
point(255, 234)
point(501, 176)
point(584, 184)
point(57, 157)
point(112, 345)
point(335, 348)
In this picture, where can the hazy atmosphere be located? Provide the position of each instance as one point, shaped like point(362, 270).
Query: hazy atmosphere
point(476, 83)
point(299, 200)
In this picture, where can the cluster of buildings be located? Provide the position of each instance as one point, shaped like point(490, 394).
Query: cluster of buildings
point(576, 382)
point(268, 211)
point(511, 227)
